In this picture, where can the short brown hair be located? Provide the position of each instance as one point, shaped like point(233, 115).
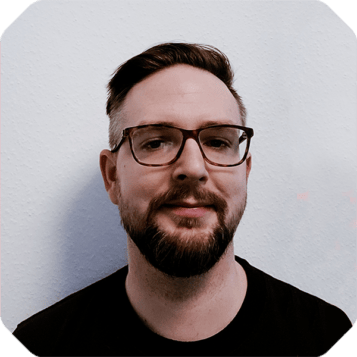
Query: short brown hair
point(157, 58)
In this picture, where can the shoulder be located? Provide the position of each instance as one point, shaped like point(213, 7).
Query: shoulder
point(309, 324)
point(71, 316)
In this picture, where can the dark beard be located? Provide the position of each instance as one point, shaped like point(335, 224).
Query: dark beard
point(174, 255)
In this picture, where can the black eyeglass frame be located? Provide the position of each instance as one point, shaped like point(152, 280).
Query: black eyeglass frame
point(187, 134)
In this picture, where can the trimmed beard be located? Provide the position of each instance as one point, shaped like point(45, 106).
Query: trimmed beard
point(185, 254)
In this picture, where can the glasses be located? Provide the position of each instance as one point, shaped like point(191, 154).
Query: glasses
point(161, 145)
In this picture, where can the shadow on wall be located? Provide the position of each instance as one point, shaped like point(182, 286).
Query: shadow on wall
point(95, 244)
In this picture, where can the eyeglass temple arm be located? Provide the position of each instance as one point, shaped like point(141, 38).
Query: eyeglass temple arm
point(243, 137)
point(246, 135)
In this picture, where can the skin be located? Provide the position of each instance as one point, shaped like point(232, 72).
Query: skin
point(183, 309)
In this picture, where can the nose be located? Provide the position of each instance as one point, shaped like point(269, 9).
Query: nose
point(190, 166)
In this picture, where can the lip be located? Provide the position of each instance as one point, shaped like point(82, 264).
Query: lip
point(189, 203)
point(189, 209)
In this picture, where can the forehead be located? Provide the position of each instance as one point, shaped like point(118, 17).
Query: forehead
point(183, 96)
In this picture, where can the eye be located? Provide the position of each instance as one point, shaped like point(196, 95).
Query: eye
point(216, 143)
point(155, 144)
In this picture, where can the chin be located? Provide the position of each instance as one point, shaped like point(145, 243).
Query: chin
point(182, 252)
point(176, 225)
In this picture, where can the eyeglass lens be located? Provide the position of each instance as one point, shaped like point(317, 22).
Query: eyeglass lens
point(159, 145)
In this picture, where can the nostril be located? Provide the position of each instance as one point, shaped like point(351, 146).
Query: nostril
point(183, 177)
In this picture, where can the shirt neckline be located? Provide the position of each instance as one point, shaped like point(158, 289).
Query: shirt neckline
point(239, 328)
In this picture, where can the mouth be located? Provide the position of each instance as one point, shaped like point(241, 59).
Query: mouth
point(189, 209)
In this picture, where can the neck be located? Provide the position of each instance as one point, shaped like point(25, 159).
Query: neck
point(177, 308)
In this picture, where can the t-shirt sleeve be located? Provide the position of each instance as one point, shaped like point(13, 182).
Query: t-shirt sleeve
point(36, 337)
point(337, 324)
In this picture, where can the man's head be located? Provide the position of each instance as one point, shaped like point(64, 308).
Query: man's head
point(181, 216)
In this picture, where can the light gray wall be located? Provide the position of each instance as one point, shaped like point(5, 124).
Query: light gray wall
point(295, 64)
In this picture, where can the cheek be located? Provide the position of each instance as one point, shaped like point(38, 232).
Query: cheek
point(233, 188)
point(139, 186)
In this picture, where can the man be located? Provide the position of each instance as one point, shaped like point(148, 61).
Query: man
point(178, 171)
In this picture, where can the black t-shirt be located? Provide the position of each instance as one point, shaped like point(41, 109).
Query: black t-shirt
point(276, 319)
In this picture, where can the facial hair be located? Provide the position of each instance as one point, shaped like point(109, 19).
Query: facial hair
point(185, 254)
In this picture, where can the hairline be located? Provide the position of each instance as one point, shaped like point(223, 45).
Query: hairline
point(118, 117)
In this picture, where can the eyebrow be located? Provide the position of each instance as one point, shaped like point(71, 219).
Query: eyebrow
point(203, 125)
point(214, 122)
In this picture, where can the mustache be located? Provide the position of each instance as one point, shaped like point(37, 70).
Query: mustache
point(187, 191)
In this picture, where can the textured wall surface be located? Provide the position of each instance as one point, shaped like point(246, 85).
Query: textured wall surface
point(295, 65)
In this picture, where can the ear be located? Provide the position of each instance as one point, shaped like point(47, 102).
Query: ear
point(107, 162)
point(248, 166)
